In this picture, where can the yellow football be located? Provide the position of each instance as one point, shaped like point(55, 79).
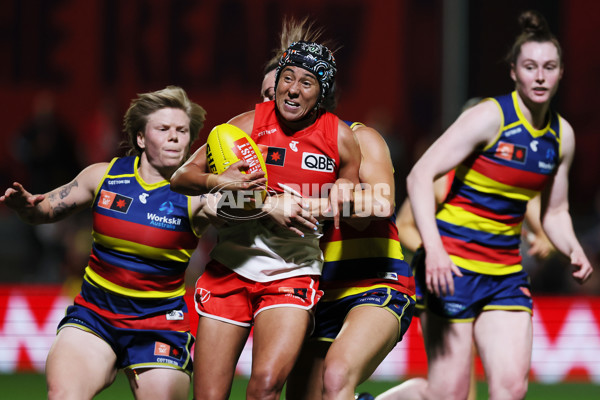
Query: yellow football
point(227, 144)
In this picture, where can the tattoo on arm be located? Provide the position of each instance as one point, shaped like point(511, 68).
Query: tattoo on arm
point(62, 209)
point(59, 208)
point(65, 190)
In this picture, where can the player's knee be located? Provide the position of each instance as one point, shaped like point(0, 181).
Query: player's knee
point(508, 388)
point(336, 375)
point(451, 390)
point(264, 384)
point(58, 390)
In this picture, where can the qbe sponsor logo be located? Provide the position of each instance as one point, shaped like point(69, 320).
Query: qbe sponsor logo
point(317, 162)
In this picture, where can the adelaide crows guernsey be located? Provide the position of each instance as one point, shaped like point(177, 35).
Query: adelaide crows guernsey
point(480, 222)
point(356, 260)
point(142, 235)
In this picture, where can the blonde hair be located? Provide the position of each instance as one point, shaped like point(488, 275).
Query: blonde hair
point(136, 117)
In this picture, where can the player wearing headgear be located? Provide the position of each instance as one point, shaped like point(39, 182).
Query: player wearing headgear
point(363, 267)
point(261, 276)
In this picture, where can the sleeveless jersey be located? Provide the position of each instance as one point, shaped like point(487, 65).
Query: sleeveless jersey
point(305, 161)
point(142, 235)
point(358, 260)
point(480, 222)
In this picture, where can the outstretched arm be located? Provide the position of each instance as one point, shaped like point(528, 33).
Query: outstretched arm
point(58, 203)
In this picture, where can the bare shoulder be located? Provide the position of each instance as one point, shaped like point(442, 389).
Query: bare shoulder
point(367, 135)
point(90, 176)
point(567, 139)
point(565, 127)
point(244, 121)
point(344, 132)
point(479, 124)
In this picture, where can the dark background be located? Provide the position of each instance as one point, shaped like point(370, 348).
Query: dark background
point(69, 68)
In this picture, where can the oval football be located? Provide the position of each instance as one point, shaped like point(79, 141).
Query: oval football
point(227, 144)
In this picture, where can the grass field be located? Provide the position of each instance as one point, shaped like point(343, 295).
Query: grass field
point(33, 387)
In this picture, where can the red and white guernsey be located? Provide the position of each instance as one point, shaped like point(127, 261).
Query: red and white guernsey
point(307, 161)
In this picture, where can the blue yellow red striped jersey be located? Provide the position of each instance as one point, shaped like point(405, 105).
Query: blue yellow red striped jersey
point(480, 222)
point(356, 260)
point(142, 235)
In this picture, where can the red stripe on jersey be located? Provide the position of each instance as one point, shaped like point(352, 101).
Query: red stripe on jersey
point(135, 280)
point(158, 322)
point(476, 209)
point(142, 234)
point(518, 177)
point(474, 251)
point(383, 228)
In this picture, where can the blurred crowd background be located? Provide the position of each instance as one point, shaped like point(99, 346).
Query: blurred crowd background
point(69, 68)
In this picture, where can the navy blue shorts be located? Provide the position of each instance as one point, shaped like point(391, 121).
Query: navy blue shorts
point(135, 348)
point(330, 315)
point(473, 293)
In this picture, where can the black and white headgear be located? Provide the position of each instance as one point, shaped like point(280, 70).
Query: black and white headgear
point(313, 57)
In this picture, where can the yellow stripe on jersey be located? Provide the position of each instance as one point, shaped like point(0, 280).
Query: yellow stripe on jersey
point(98, 281)
point(532, 131)
point(484, 184)
point(336, 294)
point(458, 216)
point(487, 268)
point(125, 246)
point(351, 249)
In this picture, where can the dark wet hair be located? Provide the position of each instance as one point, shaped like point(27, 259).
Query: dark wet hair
point(314, 58)
point(305, 29)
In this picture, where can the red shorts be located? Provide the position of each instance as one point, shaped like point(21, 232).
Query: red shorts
point(224, 295)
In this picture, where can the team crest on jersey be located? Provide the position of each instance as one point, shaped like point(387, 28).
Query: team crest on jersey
point(511, 152)
point(317, 162)
point(114, 201)
point(276, 156)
